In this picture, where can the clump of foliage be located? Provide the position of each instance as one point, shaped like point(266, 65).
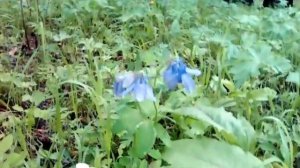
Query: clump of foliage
point(59, 61)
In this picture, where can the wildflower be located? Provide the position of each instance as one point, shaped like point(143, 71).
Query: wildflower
point(136, 84)
point(82, 165)
point(124, 84)
point(142, 90)
point(177, 72)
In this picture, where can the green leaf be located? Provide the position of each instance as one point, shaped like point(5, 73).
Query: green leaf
point(6, 77)
point(244, 67)
point(155, 154)
point(144, 138)
point(102, 3)
point(155, 164)
point(294, 77)
point(61, 36)
point(236, 131)
point(162, 134)
point(189, 153)
point(128, 120)
point(16, 159)
point(262, 94)
point(18, 108)
point(147, 108)
point(175, 27)
point(249, 61)
point(38, 97)
point(178, 8)
point(5, 144)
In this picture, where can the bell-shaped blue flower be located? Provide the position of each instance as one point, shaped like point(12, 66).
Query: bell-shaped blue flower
point(178, 73)
point(136, 84)
point(142, 90)
point(124, 84)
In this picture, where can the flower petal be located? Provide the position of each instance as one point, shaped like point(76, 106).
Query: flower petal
point(128, 90)
point(129, 78)
point(118, 89)
point(170, 78)
point(139, 92)
point(195, 72)
point(149, 93)
point(188, 83)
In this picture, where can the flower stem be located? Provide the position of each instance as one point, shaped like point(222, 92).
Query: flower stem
point(156, 111)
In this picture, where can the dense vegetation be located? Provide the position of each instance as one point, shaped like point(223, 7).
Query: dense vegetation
point(139, 83)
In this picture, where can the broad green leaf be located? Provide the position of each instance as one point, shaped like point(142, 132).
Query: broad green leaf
point(128, 121)
point(5, 144)
point(205, 152)
point(144, 138)
point(147, 108)
point(16, 159)
point(237, 131)
point(244, 67)
point(294, 77)
point(249, 62)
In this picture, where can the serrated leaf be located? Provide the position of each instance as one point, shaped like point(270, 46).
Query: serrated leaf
point(244, 67)
point(192, 153)
point(44, 114)
point(249, 62)
point(38, 97)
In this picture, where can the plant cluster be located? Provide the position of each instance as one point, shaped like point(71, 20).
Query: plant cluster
point(67, 68)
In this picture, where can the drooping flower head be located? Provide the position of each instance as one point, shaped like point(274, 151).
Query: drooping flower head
point(178, 73)
point(124, 84)
point(135, 84)
point(142, 90)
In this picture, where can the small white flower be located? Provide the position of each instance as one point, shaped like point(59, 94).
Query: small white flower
point(82, 165)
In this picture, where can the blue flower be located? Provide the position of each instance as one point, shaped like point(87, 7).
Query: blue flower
point(124, 84)
point(136, 84)
point(178, 73)
point(142, 90)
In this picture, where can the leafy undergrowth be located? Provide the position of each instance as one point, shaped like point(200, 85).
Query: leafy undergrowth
point(58, 108)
